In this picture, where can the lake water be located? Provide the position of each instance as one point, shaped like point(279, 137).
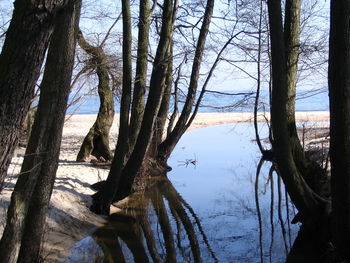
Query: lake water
point(305, 101)
point(210, 209)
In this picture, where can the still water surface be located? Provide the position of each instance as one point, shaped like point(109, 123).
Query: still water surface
point(211, 208)
point(316, 100)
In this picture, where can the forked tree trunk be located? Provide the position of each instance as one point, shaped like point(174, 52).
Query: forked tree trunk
point(29, 201)
point(96, 142)
point(306, 201)
point(157, 85)
point(20, 61)
point(168, 145)
point(339, 98)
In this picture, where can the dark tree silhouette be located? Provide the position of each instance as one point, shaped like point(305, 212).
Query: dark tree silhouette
point(21, 58)
point(339, 98)
point(30, 199)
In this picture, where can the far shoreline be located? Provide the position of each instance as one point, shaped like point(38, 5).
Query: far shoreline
point(85, 121)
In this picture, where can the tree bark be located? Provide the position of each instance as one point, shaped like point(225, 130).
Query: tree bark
point(138, 104)
point(311, 171)
point(30, 198)
point(168, 145)
point(292, 44)
point(20, 61)
point(96, 142)
point(158, 132)
point(306, 201)
point(339, 98)
point(103, 198)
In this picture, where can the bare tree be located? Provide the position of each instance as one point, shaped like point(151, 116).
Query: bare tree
point(121, 178)
point(96, 142)
point(166, 147)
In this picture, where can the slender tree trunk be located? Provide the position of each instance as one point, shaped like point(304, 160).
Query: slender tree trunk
point(175, 110)
point(96, 142)
point(258, 80)
point(176, 98)
point(339, 94)
point(302, 196)
point(138, 104)
point(103, 198)
point(292, 44)
point(157, 85)
point(20, 61)
point(311, 171)
point(30, 198)
point(159, 126)
point(168, 145)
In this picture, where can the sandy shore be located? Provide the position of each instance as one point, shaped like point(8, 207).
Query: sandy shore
point(202, 120)
point(69, 218)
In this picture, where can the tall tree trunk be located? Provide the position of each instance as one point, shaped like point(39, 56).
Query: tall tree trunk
point(168, 145)
point(138, 104)
point(157, 85)
point(159, 127)
point(103, 198)
point(339, 98)
point(306, 201)
point(292, 44)
point(20, 61)
point(96, 142)
point(30, 198)
point(311, 171)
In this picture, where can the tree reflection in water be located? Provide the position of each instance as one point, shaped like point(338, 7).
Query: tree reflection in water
point(241, 214)
point(267, 223)
point(309, 246)
point(158, 225)
point(174, 236)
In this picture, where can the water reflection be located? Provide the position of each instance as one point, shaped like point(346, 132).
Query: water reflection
point(309, 245)
point(157, 225)
point(228, 208)
point(283, 209)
